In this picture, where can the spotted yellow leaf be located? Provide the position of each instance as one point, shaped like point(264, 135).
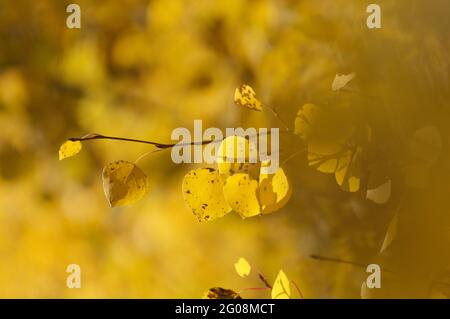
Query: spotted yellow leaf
point(274, 190)
point(281, 288)
point(245, 96)
point(241, 192)
point(242, 267)
point(69, 148)
point(124, 183)
point(340, 81)
point(203, 193)
point(221, 293)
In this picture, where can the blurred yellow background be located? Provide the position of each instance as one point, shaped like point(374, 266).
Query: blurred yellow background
point(142, 68)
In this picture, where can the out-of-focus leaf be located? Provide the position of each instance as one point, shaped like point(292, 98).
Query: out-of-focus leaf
point(348, 171)
point(242, 267)
point(281, 288)
point(82, 64)
point(380, 194)
point(69, 149)
point(305, 120)
point(241, 193)
point(335, 157)
point(324, 156)
point(203, 193)
point(340, 81)
point(221, 293)
point(124, 183)
point(245, 96)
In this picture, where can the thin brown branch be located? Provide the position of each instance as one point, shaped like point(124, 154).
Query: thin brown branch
point(94, 136)
point(298, 289)
point(264, 280)
point(277, 116)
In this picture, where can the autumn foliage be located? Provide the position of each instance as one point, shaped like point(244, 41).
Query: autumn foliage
point(364, 172)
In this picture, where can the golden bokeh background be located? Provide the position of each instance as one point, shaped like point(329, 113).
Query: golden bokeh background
point(142, 68)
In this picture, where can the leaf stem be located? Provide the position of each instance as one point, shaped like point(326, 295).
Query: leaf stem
point(277, 116)
point(343, 261)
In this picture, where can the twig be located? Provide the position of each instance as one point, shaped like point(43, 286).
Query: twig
point(298, 289)
point(291, 156)
point(147, 153)
point(264, 280)
point(95, 136)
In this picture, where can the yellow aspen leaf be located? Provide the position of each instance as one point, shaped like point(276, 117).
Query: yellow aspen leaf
point(390, 234)
point(348, 171)
point(324, 156)
point(124, 183)
point(281, 288)
point(221, 293)
point(242, 267)
point(380, 194)
point(241, 193)
point(333, 157)
point(233, 156)
point(69, 149)
point(340, 81)
point(245, 96)
point(203, 194)
point(274, 190)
